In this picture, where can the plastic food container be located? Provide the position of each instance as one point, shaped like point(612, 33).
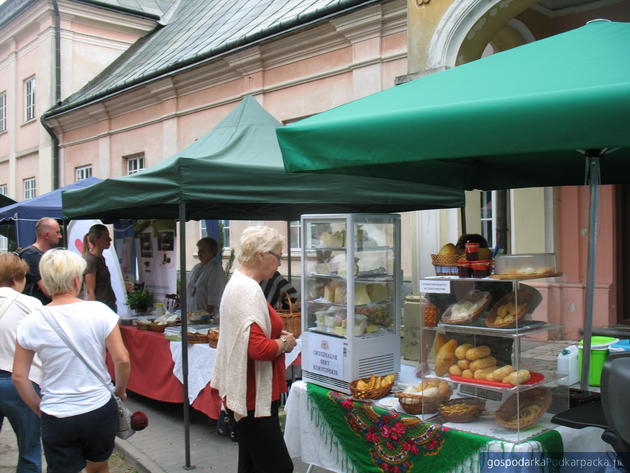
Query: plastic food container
point(526, 265)
point(599, 354)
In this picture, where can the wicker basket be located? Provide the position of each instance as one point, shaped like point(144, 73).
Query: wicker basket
point(461, 410)
point(445, 265)
point(523, 409)
point(157, 327)
point(197, 337)
point(213, 338)
point(292, 317)
point(376, 393)
point(417, 404)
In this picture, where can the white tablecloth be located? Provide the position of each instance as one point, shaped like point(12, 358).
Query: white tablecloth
point(201, 358)
point(306, 438)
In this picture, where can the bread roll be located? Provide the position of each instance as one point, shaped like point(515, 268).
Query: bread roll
point(500, 373)
point(483, 363)
point(477, 352)
point(455, 370)
point(460, 352)
point(467, 374)
point(463, 364)
point(483, 372)
point(517, 377)
point(440, 339)
point(445, 357)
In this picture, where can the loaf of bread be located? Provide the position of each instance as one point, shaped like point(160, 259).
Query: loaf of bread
point(483, 372)
point(463, 364)
point(440, 339)
point(445, 357)
point(483, 363)
point(500, 373)
point(461, 350)
point(455, 370)
point(517, 377)
point(475, 353)
point(467, 374)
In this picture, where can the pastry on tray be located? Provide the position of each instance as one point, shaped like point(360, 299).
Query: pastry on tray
point(524, 408)
point(467, 309)
point(465, 409)
point(509, 309)
point(425, 397)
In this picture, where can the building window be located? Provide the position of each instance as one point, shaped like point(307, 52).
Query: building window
point(30, 188)
point(3, 111)
point(224, 228)
point(4, 241)
point(4, 189)
point(82, 172)
point(135, 163)
point(29, 99)
point(296, 235)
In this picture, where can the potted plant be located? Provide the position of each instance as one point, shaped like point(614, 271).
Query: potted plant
point(140, 300)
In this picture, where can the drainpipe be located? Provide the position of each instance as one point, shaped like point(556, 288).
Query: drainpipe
point(53, 136)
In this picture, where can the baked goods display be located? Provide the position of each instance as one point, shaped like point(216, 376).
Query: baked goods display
point(513, 307)
point(524, 408)
point(374, 387)
point(465, 409)
point(467, 309)
point(425, 397)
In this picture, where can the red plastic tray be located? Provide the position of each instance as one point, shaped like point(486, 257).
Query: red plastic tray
point(535, 379)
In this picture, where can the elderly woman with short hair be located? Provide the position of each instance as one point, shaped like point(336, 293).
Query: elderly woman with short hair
point(14, 306)
point(78, 413)
point(249, 370)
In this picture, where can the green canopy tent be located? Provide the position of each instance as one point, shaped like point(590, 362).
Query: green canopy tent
point(235, 171)
point(526, 117)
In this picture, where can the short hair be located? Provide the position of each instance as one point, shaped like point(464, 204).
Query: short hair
point(12, 268)
point(257, 239)
point(210, 243)
point(58, 269)
point(43, 224)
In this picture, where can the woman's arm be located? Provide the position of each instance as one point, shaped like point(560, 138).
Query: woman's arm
point(262, 348)
point(21, 367)
point(90, 286)
point(120, 357)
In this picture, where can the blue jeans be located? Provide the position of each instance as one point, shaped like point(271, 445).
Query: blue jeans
point(25, 425)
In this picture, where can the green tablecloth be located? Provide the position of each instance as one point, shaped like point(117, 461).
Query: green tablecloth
point(375, 440)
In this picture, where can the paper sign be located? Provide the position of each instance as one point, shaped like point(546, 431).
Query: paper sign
point(325, 355)
point(435, 286)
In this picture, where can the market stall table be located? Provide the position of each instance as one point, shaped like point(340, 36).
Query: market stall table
point(156, 369)
point(333, 431)
point(152, 370)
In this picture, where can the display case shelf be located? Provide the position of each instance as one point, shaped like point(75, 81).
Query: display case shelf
point(350, 297)
point(528, 327)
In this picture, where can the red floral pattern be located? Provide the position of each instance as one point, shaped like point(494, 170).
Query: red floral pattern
point(395, 438)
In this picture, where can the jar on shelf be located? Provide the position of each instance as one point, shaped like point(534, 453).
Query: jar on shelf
point(430, 315)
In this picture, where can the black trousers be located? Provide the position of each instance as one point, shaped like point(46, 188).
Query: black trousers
point(261, 447)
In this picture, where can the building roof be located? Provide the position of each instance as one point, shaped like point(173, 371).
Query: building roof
point(154, 9)
point(198, 30)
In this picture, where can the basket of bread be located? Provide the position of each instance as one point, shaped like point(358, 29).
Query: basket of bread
point(445, 261)
point(511, 308)
point(425, 397)
point(524, 408)
point(465, 409)
point(467, 309)
point(374, 387)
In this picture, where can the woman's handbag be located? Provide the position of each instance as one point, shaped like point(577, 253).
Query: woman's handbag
point(124, 414)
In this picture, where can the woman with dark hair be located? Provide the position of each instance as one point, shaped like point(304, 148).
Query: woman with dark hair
point(14, 306)
point(98, 284)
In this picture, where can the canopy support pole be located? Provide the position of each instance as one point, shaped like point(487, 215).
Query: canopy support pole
point(289, 251)
point(593, 179)
point(184, 318)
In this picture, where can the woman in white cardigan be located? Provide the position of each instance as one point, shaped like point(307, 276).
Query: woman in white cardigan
point(249, 371)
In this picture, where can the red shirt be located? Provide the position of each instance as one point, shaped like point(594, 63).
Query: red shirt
point(261, 348)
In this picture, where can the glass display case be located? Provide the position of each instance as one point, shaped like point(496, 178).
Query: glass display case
point(491, 357)
point(351, 279)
